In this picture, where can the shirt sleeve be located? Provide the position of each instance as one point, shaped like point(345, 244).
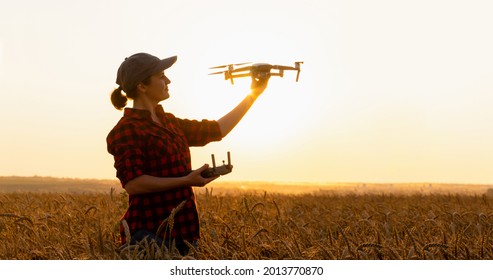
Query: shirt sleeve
point(200, 133)
point(125, 143)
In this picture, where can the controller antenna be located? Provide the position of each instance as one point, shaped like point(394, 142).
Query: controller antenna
point(213, 162)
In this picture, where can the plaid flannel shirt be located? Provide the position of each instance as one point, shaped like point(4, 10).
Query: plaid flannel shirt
point(140, 146)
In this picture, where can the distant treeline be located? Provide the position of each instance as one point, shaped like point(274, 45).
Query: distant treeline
point(71, 185)
point(52, 184)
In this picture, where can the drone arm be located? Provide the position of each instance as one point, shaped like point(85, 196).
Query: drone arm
point(241, 75)
point(281, 67)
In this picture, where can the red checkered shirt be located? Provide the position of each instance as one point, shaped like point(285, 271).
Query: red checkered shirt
point(140, 146)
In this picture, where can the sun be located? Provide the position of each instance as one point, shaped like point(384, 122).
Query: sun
point(280, 119)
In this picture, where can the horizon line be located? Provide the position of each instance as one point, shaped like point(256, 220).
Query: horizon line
point(271, 181)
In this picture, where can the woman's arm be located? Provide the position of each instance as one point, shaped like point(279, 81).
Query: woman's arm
point(231, 119)
point(149, 184)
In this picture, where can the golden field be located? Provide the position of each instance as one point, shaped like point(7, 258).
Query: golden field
point(48, 218)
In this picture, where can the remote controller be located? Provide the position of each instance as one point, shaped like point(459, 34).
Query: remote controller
point(219, 170)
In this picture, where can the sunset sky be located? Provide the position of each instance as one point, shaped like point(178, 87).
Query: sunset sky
point(390, 91)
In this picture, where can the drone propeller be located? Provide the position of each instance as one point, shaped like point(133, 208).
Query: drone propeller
point(215, 73)
point(236, 64)
point(241, 69)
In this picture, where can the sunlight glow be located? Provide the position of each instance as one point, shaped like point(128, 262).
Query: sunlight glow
point(1, 59)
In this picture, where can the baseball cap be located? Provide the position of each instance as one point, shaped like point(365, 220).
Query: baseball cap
point(134, 69)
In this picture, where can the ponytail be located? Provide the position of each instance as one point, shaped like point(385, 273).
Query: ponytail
point(118, 99)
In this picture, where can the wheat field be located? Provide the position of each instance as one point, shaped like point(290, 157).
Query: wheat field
point(257, 225)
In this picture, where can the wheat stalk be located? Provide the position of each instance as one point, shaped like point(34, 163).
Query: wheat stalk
point(63, 226)
point(127, 230)
point(346, 240)
point(369, 245)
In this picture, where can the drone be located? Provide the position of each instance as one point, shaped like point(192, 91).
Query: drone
point(256, 70)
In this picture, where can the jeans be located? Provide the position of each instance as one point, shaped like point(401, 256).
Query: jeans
point(142, 234)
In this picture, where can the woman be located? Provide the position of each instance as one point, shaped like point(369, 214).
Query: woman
point(152, 155)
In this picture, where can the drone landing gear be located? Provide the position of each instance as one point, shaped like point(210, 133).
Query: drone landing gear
point(219, 170)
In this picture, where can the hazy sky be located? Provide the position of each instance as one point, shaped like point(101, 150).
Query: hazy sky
point(391, 91)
